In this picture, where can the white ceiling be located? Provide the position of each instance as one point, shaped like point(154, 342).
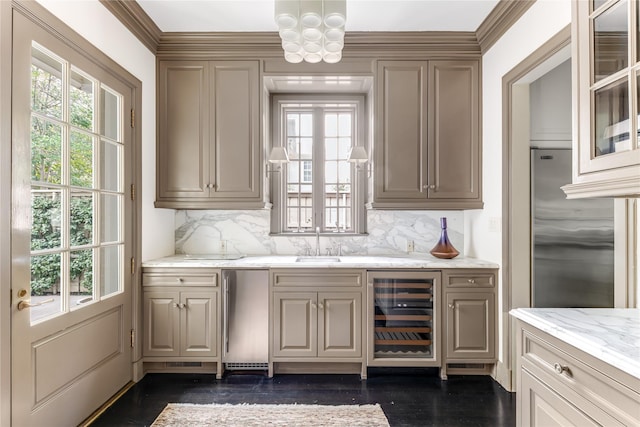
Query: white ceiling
point(362, 15)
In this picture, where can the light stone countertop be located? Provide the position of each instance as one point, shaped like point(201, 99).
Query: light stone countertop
point(417, 261)
point(609, 334)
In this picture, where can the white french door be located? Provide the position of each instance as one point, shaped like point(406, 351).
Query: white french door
point(72, 230)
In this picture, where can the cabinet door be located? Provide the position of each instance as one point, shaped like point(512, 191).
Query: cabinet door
point(235, 115)
point(295, 317)
point(454, 141)
point(198, 323)
point(470, 325)
point(539, 405)
point(339, 324)
point(401, 133)
point(183, 130)
point(161, 323)
point(605, 70)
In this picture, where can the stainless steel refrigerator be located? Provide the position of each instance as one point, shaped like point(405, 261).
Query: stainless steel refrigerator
point(572, 240)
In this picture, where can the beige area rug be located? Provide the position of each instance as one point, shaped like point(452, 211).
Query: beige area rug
point(185, 414)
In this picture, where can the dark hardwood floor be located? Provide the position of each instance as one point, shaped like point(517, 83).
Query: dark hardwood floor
point(407, 397)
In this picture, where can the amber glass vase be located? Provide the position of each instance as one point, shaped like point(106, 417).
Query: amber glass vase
point(444, 248)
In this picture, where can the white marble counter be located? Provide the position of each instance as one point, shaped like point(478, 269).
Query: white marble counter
point(609, 334)
point(421, 261)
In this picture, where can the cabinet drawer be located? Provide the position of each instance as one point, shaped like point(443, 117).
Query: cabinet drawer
point(316, 278)
point(469, 279)
point(573, 377)
point(180, 278)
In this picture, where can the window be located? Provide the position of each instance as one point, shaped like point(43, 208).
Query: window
point(77, 189)
point(318, 188)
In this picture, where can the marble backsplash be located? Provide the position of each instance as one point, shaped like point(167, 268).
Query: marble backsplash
point(247, 232)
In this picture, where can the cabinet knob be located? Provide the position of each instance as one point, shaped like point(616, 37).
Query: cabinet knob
point(180, 280)
point(430, 187)
point(451, 306)
point(181, 305)
point(321, 306)
point(314, 305)
point(560, 369)
point(176, 305)
point(472, 281)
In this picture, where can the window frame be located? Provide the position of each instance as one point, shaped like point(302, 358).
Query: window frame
point(277, 180)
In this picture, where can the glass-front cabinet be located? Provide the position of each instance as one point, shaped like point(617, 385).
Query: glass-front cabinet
point(606, 76)
point(402, 318)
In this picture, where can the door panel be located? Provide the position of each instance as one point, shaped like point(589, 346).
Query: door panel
point(470, 325)
point(198, 323)
point(71, 313)
point(295, 324)
point(161, 323)
point(340, 325)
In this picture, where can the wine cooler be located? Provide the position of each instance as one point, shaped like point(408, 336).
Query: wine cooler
point(403, 327)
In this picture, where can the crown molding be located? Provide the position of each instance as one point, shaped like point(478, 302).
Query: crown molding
point(357, 44)
point(132, 16)
point(501, 18)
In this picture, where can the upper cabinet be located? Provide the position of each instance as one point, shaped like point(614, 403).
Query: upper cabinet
point(427, 142)
point(208, 154)
point(606, 76)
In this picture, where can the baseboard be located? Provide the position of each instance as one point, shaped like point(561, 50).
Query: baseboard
point(503, 375)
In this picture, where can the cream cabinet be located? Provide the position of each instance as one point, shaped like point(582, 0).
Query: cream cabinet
point(469, 316)
point(208, 152)
point(606, 76)
point(427, 143)
point(559, 384)
point(181, 318)
point(317, 316)
point(317, 324)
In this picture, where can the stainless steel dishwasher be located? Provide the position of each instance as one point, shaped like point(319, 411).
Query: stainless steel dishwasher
point(246, 319)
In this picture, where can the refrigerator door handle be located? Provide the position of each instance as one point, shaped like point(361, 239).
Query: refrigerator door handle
point(225, 289)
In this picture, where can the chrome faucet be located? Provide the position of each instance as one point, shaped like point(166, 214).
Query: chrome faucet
point(317, 241)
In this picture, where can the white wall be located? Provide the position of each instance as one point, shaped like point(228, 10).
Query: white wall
point(96, 24)
point(483, 230)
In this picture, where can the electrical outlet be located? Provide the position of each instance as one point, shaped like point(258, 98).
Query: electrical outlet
point(410, 246)
point(495, 224)
point(223, 246)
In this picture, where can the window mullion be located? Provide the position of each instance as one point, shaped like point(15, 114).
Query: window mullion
point(318, 168)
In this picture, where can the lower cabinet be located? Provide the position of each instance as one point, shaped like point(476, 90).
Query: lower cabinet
point(560, 385)
point(317, 319)
point(317, 324)
point(469, 316)
point(181, 320)
point(180, 323)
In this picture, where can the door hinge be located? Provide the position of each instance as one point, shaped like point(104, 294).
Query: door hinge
point(133, 266)
point(133, 118)
point(132, 337)
point(133, 192)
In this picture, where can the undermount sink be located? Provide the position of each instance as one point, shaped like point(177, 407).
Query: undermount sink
point(317, 259)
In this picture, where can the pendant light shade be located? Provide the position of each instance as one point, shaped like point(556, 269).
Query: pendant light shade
point(311, 30)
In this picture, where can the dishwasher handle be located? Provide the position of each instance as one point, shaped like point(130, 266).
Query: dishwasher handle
point(225, 289)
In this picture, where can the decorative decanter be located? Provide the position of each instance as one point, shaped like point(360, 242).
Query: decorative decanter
point(444, 248)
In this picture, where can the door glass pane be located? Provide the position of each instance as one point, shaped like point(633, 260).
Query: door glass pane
point(403, 318)
point(598, 3)
point(81, 218)
point(611, 118)
point(610, 41)
point(46, 84)
point(109, 214)
point(112, 269)
point(45, 286)
point(81, 277)
point(46, 218)
point(110, 172)
point(110, 114)
point(46, 151)
point(81, 159)
point(81, 101)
